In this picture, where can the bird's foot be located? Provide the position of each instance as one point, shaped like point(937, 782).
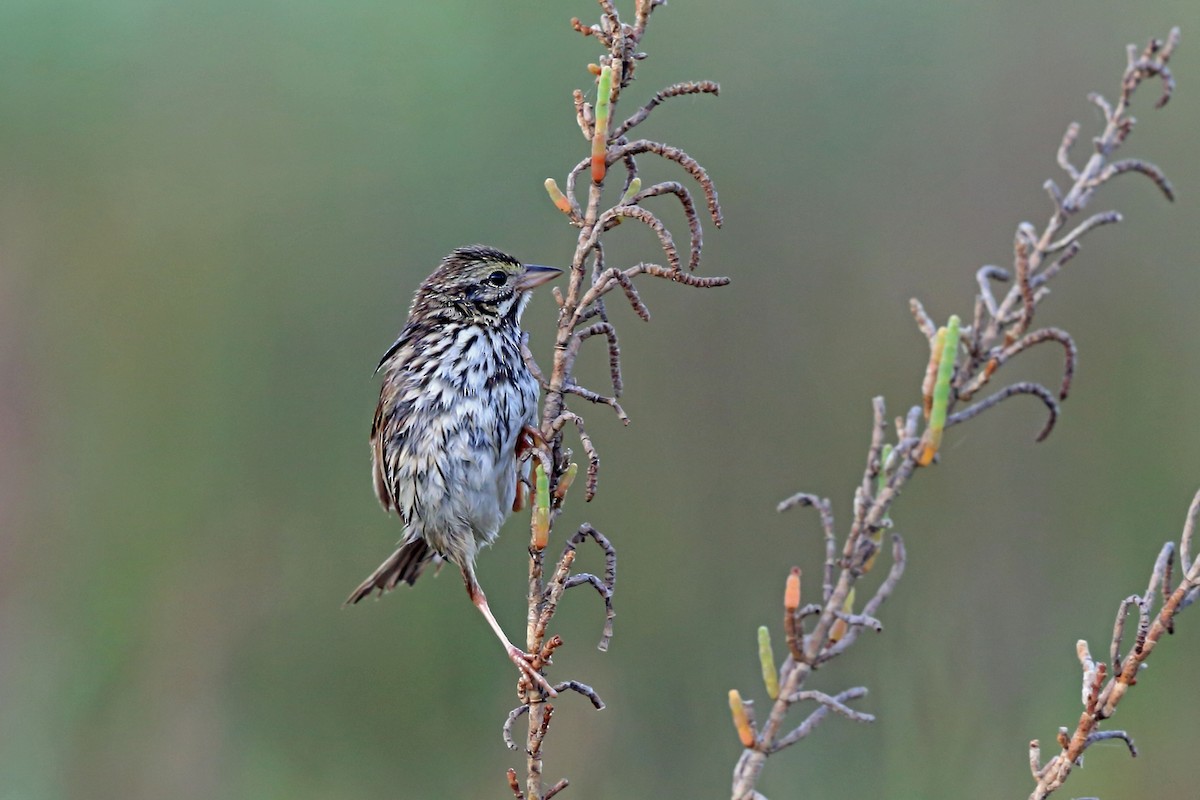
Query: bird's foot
point(524, 662)
point(529, 440)
point(530, 444)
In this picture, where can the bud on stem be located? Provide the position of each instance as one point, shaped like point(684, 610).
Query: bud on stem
point(740, 720)
point(600, 131)
point(932, 439)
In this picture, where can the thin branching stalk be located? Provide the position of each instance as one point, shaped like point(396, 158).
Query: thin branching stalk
point(963, 359)
point(582, 318)
point(1105, 684)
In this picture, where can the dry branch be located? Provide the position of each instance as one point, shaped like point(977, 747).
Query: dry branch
point(1101, 695)
point(583, 317)
point(962, 361)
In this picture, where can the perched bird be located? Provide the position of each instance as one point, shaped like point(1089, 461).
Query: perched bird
point(456, 405)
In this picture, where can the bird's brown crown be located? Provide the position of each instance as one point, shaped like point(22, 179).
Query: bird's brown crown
point(479, 283)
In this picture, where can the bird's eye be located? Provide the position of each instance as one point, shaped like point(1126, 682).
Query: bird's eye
point(498, 278)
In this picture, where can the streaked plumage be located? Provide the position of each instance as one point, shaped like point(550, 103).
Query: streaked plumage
point(456, 397)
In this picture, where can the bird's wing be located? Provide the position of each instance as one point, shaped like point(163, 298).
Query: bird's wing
point(382, 490)
point(391, 351)
point(400, 350)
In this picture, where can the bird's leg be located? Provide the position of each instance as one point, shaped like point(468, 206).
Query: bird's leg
point(515, 654)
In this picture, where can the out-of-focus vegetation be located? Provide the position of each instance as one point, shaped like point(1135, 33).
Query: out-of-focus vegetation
point(212, 218)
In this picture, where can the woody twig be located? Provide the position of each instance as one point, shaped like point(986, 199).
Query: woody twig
point(963, 360)
point(582, 317)
point(1106, 683)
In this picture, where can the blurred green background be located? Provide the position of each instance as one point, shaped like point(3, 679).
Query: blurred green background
point(212, 218)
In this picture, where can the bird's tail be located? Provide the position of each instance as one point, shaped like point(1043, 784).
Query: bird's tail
point(403, 565)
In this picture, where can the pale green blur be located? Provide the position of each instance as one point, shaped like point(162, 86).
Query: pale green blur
point(213, 216)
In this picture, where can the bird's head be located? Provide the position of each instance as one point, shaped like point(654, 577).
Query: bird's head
point(483, 283)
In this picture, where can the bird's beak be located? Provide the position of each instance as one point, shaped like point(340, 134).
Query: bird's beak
point(535, 275)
